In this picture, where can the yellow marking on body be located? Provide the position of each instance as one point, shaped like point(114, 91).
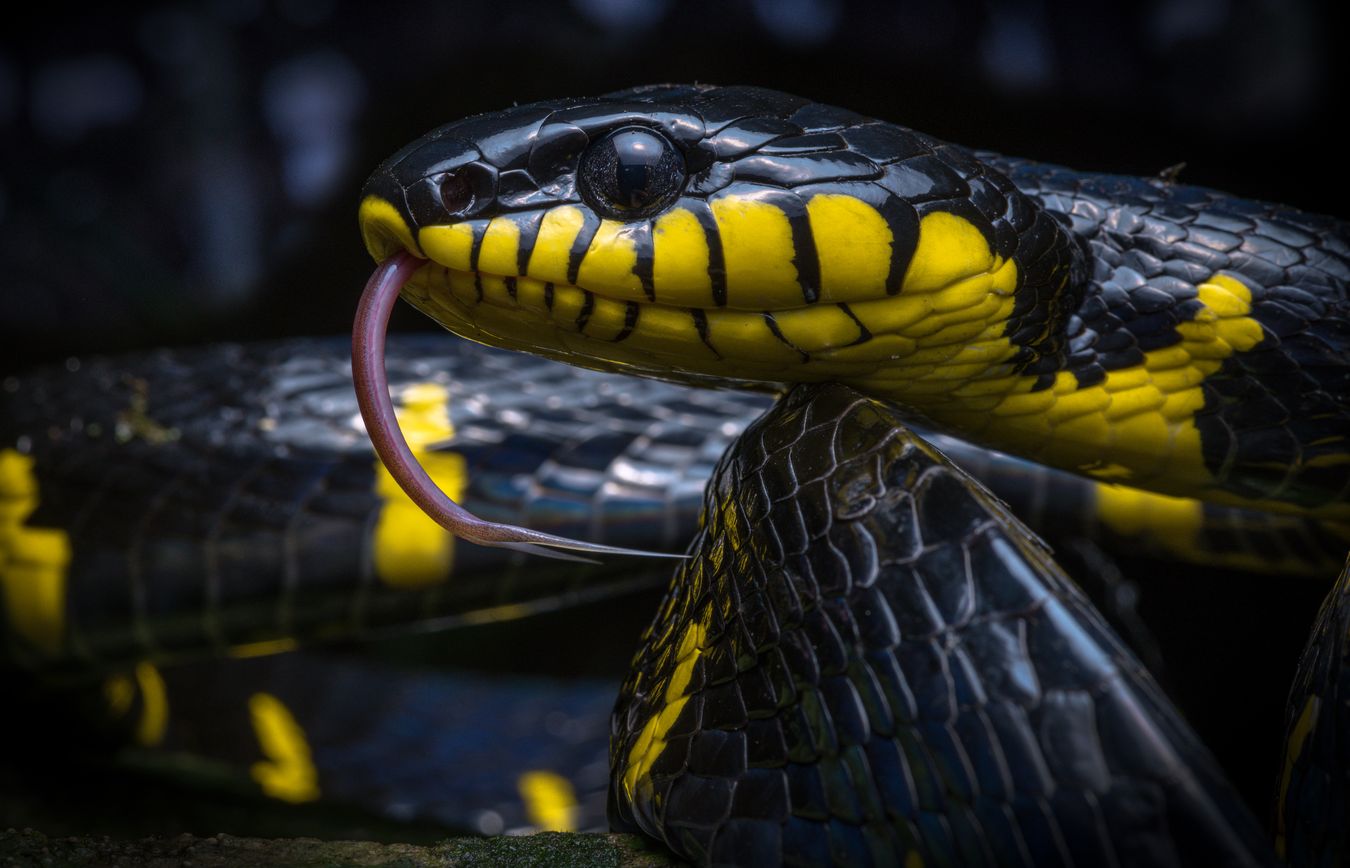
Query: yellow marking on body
point(746, 338)
point(118, 693)
point(672, 332)
point(853, 243)
point(383, 229)
point(1176, 522)
point(651, 741)
point(949, 250)
point(451, 246)
point(33, 560)
point(818, 328)
point(154, 705)
point(758, 252)
point(606, 319)
point(608, 265)
point(913, 859)
point(500, 251)
point(550, 802)
point(1138, 424)
point(1303, 727)
point(264, 648)
point(411, 550)
point(680, 260)
point(552, 252)
point(288, 773)
point(497, 614)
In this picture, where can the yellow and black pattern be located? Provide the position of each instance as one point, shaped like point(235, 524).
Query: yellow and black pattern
point(226, 500)
point(465, 751)
point(612, 454)
point(1140, 332)
point(1312, 807)
point(109, 532)
point(865, 661)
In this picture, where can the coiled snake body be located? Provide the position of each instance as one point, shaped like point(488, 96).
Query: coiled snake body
point(1142, 333)
point(865, 659)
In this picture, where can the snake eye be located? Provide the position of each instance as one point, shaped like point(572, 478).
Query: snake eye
point(632, 172)
point(457, 195)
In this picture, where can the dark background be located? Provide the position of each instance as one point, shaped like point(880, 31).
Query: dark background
point(189, 173)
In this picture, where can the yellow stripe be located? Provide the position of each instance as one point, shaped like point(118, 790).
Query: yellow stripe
point(500, 253)
point(154, 705)
point(33, 561)
point(680, 261)
point(265, 648)
point(497, 614)
point(651, 741)
point(1303, 727)
point(950, 249)
point(552, 252)
point(814, 329)
point(609, 262)
point(451, 246)
point(383, 229)
point(1174, 521)
point(758, 253)
point(118, 693)
point(288, 773)
point(853, 242)
point(411, 550)
point(550, 803)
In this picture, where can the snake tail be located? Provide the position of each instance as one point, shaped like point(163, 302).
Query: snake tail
point(377, 409)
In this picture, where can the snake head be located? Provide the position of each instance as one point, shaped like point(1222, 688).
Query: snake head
point(724, 235)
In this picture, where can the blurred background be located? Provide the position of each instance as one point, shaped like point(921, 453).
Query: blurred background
point(189, 173)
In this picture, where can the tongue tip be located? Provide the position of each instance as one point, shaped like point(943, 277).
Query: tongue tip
point(377, 409)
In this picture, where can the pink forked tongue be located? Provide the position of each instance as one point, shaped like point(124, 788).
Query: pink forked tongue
point(372, 394)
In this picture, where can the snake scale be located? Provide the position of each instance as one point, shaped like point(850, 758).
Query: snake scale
point(865, 658)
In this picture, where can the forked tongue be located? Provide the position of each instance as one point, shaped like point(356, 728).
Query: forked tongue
point(377, 409)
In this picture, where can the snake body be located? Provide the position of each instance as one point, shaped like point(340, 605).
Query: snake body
point(1137, 331)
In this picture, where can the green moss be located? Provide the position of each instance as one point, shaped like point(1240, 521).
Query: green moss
point(29, 847)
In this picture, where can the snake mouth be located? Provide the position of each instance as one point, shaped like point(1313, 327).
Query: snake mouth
point(385, 230)
point(720, 298)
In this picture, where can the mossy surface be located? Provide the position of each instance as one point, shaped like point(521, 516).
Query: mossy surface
point(32, 848)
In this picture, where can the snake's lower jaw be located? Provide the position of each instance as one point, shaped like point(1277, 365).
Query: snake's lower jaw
point(377, 409)
point(384, 230)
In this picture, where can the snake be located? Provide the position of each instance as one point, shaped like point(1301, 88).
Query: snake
point(863, 657)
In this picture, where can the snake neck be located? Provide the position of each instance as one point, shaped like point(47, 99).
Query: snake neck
point(1188, 352)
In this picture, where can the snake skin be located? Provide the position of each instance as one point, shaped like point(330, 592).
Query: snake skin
point(225, 495)
point(888, 670)
point(1287, 403)
point(413, 745)
point(1313, 807)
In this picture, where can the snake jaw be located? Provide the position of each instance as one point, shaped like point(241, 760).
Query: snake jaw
point(377, 409)
point(384, 230)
